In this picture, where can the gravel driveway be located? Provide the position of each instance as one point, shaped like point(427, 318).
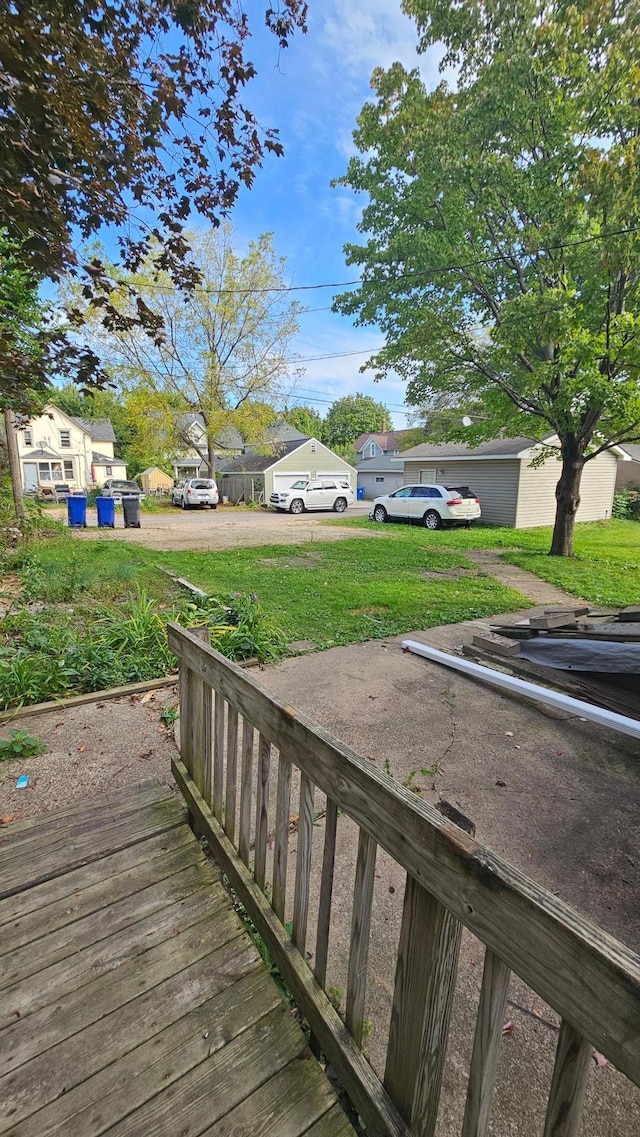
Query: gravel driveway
point(207, 529)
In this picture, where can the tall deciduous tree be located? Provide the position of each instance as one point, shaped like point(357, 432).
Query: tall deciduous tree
point(351, 416)
point(503, 251)
point(224, 352)
point(305, 419)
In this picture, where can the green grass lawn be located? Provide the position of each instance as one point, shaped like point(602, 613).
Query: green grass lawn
point(605, 569)
point(349, 591)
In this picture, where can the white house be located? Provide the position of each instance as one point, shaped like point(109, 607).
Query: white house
point(55, 448)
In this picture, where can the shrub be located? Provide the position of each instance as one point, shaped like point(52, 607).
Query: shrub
point(238, 626)
point(626, 505)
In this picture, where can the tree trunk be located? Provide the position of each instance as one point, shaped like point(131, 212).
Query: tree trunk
point(567, 497)
point(14, 465)
point(211, 458)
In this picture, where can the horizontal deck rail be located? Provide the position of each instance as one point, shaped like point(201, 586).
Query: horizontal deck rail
point(590, 979)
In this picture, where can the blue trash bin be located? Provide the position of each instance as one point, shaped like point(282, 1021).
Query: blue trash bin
point(106, 507)
point(360, 493)
point(77, 510)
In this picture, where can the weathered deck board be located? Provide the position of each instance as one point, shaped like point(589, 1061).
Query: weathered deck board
point(132, 1000)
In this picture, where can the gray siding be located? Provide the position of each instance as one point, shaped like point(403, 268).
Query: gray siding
point(495, 481)
point(372, 488)
point(537, 501)
point(628, 474)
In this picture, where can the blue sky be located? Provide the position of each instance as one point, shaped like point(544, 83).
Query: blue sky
point(312, 92)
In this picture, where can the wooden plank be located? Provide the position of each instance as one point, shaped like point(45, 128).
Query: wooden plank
point(486, 1046)
point(326, 892)
point(49, 1078)
point(303, 864)
point(262, 811)
point(38, 927)
point(126, 1084)
point(37, 902)
point(440, 963)
point(56, 858)
point(232, 772)
point(332, 1124)
point(626, 633)
point(212, 1088)
point(501, 645)
point(360, 930)
point(569, 1084)
point(218, 757)
point(187, 710)
point(62, 703)
point(281, 840)
point(629, 615)
point(246, 789)
point(71, 972)
point(504, 908)
point(357, 1076)
point(285, 1106)
point(559, 620)
point(196, 935)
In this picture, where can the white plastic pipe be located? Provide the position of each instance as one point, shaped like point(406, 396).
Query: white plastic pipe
point(532, 691)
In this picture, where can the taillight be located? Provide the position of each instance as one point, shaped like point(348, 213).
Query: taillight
point(455, 501)
point(188, 491)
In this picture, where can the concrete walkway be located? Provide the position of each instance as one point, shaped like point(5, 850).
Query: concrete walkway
point(540, 591)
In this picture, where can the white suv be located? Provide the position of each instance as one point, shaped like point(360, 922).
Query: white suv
point(195, 492)
point(314, 493)
point(434, 506)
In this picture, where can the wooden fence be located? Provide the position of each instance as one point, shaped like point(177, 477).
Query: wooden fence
point(237, 740)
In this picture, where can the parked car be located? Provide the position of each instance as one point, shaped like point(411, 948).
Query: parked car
point(314, 493)
point(434, 506)
point(120, 487)
point(195, 492)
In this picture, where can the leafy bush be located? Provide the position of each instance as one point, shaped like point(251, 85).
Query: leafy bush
point(239, 628)
point(626, 505)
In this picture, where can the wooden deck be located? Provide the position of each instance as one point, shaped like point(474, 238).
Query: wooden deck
point(132, 1000)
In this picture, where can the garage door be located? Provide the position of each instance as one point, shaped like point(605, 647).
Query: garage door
point(282, 482)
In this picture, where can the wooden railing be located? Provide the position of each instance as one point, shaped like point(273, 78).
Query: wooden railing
point(591, 980)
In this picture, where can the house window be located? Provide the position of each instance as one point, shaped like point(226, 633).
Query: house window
point(109, 471)
point(65, 438)
point(314, 446)
point(49, 471)
point(68, 471)
point(379, 479)
point(28, 438)
point(372, 450)
point(427, 476)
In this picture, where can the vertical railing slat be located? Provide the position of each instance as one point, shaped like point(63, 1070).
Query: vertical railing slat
point(486, 1045)
point(360, 929)
point(218, 758)
point(232, 773)
point(202, 700)
point(568, 1085)
point(246, 786)
point(262, 811)
point(186, 716)
point(281, 846)
point(303, 864)
point(326, 892)
point(425, 978)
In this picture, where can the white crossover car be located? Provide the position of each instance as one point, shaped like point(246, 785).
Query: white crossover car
point(433, 506)
point(314, 493)
point(195, 492)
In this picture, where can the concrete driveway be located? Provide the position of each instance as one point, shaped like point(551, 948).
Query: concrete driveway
point(224, 528)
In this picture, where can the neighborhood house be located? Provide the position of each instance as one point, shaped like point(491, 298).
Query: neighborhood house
point(512, 492)
point(256, 476)
point(58, 449)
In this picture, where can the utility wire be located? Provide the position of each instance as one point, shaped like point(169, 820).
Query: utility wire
point(508, 257)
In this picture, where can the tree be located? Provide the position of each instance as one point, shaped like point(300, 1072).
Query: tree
point(305, 419)
point(128, 114)
point(224, 351)
point(351, 416)
point(503, 226)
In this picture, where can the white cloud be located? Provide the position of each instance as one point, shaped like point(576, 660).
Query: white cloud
point(364, 34)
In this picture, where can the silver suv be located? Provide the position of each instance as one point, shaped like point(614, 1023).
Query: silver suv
point(118, 488)
point(195, 492)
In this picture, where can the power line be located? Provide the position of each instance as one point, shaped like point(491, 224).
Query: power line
point(435, 271)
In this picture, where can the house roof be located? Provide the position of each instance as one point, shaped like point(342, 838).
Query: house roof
point(231, 438)
point(42, 452)
point(496, 448)
point(385, 462)
point(104, 460)
point(632, 449)
point(100, 429)
point(387, 440)
point(152, 470)
point(257, 463)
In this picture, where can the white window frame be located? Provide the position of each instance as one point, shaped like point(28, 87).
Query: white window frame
point(428, 477)
point(28, 436)
point(67, 467)
point(109, 471)
point(46, 474)
point(372, 449)
point(65, 439)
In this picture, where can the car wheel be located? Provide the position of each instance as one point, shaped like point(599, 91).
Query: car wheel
point(183, 504)
point(467, 524)
point(432, 520)
point(339, 505)
point(380, 513)
point(214, 507)
point(297, 505)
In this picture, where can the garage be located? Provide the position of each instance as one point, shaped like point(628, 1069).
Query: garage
point(378, 476)
point(254, 477)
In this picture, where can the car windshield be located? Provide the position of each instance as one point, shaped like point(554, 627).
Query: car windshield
point(123, 485)
point(301, 484)
point(462, 491)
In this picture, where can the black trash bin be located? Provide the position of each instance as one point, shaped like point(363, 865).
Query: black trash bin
point(131, 510)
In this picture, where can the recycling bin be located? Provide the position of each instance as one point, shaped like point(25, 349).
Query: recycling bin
point(106, 507)
point(360, 493)
point(131, 510)
point(77, 510)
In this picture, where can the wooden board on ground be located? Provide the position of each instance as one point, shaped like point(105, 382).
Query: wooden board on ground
point(501, 645)
point(145, 1006)
point(558, 620)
